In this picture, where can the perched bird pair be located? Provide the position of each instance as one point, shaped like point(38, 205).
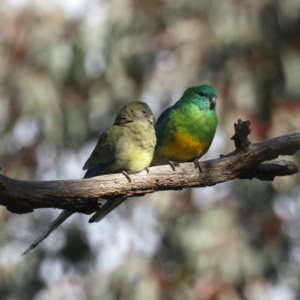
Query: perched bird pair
point(183, 133)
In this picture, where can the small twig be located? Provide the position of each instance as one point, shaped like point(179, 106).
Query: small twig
point(242, 130)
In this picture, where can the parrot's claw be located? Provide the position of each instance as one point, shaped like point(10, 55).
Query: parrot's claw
point(126, 174)
point(147, 169)
point(173, 164)
point(197, 165)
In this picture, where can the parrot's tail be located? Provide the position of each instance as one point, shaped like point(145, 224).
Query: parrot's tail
point(64, 215)
point(106, 209)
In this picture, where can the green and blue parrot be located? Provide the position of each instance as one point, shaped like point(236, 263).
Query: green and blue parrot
point(127, 146)
point(186, 130)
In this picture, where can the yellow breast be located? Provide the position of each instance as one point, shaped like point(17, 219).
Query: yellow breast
point(184, 148)
point(134, 150)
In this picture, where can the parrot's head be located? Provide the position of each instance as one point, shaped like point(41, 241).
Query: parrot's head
point(205, 95)
point(135, 111)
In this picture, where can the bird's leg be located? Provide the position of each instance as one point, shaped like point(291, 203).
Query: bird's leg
point(173, 164)
point(197, 165)
point(126, 174)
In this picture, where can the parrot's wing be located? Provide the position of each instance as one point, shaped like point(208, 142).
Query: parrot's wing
point(165, 115)
point(162, 123)
point(104, 152)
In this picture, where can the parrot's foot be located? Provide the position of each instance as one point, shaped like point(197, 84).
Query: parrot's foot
point(197, 165)
point(147, 169)
point(173, 164)
point(126, 174)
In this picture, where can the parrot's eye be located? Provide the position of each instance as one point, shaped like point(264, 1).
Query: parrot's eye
point(201, 94)
point(213, 100)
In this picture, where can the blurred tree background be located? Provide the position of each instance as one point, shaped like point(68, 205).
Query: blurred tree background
point(67, 67)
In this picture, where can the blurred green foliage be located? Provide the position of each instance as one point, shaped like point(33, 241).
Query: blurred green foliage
point(67, 68)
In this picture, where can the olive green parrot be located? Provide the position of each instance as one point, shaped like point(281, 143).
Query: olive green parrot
point(127, 146)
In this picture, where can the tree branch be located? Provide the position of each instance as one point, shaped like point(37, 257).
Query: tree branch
point(246, 162)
